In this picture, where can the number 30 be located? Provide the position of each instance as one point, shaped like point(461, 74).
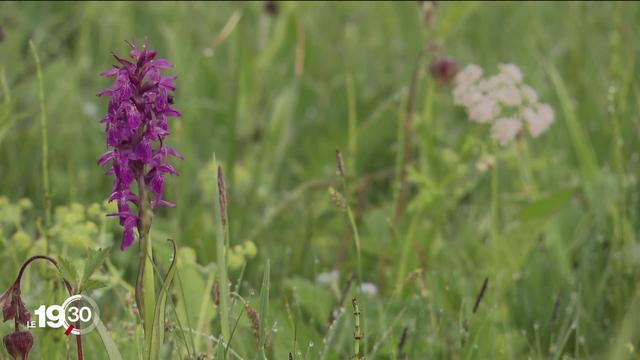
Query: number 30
point(55, 315)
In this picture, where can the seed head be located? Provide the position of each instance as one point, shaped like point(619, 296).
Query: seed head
point(338, 199)
point(222, 195)
point(340, 163)
point(18, 344)
point(254, 318)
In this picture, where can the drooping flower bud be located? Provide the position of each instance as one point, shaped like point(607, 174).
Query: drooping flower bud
point(443, 70)
point(18, 344)
point(12, 306)
point(271, 8)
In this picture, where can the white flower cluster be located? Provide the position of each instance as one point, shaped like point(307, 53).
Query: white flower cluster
point(502, 100)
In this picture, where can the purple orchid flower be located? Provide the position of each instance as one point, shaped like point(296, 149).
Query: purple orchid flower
point(136, 125)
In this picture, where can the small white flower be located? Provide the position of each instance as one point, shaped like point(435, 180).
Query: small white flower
point(466, 95)
point(512, 71)
point(502, 100)
point(508, 95)
point(504, 130)
point(538, 119)
point(485, 163)
point(484, 111)
point(328, 278)
point(529, 94)
point(469, 74)
point(368, 289)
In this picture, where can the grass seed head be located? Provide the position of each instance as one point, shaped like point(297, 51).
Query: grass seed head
point(222, 195)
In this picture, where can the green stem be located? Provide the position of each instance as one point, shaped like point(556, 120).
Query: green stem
point(45, 146)
point(353, 124)
point(525, 168)
point(494, 199)
point(357, 334)
point(145, 271)
point(354, 229)
point(222, 240)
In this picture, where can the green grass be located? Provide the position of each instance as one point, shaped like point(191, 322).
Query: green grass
point(273, 97)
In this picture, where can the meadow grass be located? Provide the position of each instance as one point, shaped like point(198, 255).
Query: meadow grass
point(551, 226)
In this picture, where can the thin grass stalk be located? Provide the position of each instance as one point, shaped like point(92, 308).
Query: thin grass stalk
point(222, 239)
point(357, 334)
point(352, 220)
point(45, 146)
point(494, 199)
point(406, 137)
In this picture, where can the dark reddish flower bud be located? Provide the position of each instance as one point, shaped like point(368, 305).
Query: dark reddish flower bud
point(18, 344)
point(443, 70)
point(271, 8)
point(1, 34)
point(12, 306)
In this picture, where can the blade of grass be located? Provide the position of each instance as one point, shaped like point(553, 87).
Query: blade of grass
point(45, 145)
point(221, 248)
point(264, 308)
point(157, 329)
point(579, 140)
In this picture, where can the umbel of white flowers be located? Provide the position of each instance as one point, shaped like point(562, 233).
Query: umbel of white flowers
point(502, 100)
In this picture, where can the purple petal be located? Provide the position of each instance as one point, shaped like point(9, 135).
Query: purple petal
point(156, 203)
point(105, 92)
point(166, 168)
point(106, 157)
point(127, 239)
point(169, 111)
point(110, 73)
point(163, 64)
point(166, 150)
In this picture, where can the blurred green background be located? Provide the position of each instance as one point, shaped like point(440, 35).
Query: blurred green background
point(273, 94)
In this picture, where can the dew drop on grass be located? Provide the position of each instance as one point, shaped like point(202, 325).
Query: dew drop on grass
point(274, 328)
point(311, 344)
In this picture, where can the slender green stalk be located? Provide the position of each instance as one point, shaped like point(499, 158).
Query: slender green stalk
point(45, 146)
point(353, 123)
point(222, 240)
point(357, 334)
point(407, 128)
point(494, 199)
point(264, 308)
point(356, 238)
point(352, 220)
point(148, 288)
point(145, 294)
point(525, 167)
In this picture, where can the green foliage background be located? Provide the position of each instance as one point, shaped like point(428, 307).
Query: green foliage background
point(271, 97)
